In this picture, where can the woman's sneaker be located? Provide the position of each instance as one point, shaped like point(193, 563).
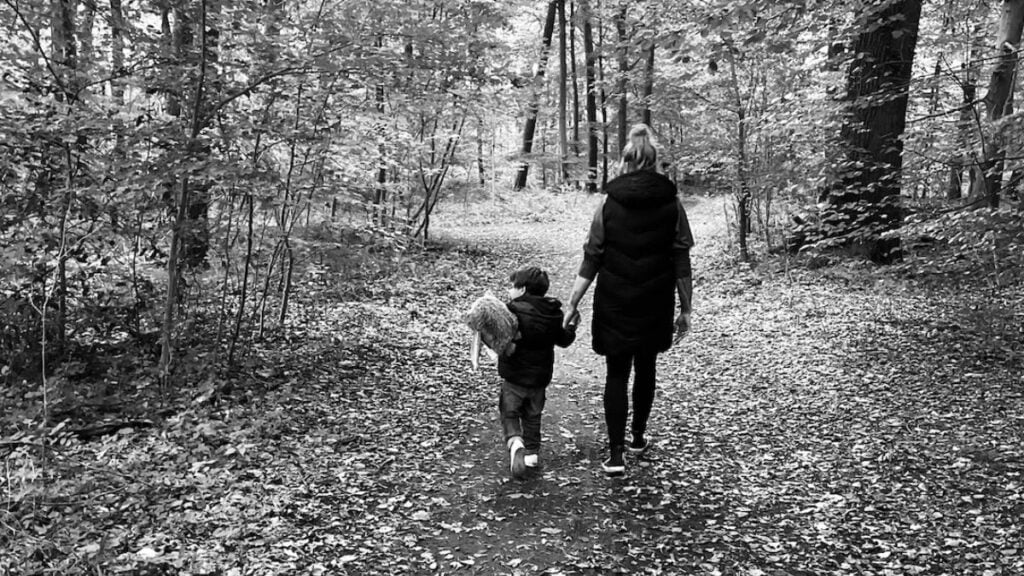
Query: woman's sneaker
point(615, 465)
point(639, 445)
point(531, 460)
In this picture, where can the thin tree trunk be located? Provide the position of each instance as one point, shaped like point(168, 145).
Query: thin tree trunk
point(538, 85)
point(380, 194)
point(620, 86)
point(589, 59)
point(999, 99)
point(563, 76)
point(648, 82)
point(480, 151)
point(245, 284)
point(743, 198)
point(63, 50)
point(574, 20)
point(604, 104)
point(178, 233)
point(117, 31)
point(85, 42)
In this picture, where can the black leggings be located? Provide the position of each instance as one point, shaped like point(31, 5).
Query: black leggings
point(616, 396)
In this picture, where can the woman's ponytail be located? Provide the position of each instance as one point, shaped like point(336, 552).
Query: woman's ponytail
point(640, 152)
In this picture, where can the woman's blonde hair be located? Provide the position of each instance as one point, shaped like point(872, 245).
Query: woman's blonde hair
point(640, 152)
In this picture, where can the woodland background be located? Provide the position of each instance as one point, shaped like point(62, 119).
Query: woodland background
point(183, 183)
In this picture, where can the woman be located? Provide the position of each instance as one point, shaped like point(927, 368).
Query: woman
point(638, 249)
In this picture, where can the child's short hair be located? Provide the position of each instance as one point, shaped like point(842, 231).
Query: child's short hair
point(532, 278)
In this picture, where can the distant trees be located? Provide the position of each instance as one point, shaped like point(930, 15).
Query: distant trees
point(166, 163)
point(162, 163)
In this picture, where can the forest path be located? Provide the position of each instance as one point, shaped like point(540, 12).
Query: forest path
point(795, 430)
point(839, 421)
point(569, 516)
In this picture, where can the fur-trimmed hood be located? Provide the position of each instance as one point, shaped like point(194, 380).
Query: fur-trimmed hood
point(641, 188)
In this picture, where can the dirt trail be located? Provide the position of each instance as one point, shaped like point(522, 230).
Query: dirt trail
point(568, 518)
point(795, 431)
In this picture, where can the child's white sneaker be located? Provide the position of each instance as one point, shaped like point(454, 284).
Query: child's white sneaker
point(516, 458)
point(531, 460)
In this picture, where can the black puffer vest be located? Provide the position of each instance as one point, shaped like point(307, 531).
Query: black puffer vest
point(635, 296)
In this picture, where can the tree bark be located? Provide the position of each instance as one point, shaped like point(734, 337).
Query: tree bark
point(573, 22)
point(85, 41)
point(63, 50)
point(530, 126)
point(620, 86)
point(866, 200)
point(648, 82)
point(117, 31)
point(590, 60)
point(179, 232)
point(999, 98)
point(604, 103)
point(563, 97)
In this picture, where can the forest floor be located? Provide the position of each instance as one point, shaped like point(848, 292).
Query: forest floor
point(842, 420)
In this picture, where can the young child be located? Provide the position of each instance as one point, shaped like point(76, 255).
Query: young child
point(527, 371)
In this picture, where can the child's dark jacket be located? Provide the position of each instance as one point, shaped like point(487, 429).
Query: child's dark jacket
point(540, 329)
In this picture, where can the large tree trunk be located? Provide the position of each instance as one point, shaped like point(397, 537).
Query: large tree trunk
point(590, 60)
point(866, 200)
point(999, 99)
point(538, 85)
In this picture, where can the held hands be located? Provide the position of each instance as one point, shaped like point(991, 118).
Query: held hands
point(682, 326)
point(572, 319)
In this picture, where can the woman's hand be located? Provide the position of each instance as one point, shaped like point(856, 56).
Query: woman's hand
point(682, 326)
point(572, 318)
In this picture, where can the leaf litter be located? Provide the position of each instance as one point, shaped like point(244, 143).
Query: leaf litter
point(836, 421)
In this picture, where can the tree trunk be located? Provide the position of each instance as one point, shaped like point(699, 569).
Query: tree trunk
point(180, 42)
point(573, 21)
point(999, 99)
point(648, 82)
point(620, 86)
point(63, 50)
point(245, 283)
point(866, 200)
point(538, 85)
point(563, 97)
point(179, 232)
point(380, 192)
point(589, 59)
point(604, 104)
point(965, 140)
point(480, 151)
point(117, 32)
point(85, 42)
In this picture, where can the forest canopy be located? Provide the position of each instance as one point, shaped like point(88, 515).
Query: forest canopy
point(163, 162)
